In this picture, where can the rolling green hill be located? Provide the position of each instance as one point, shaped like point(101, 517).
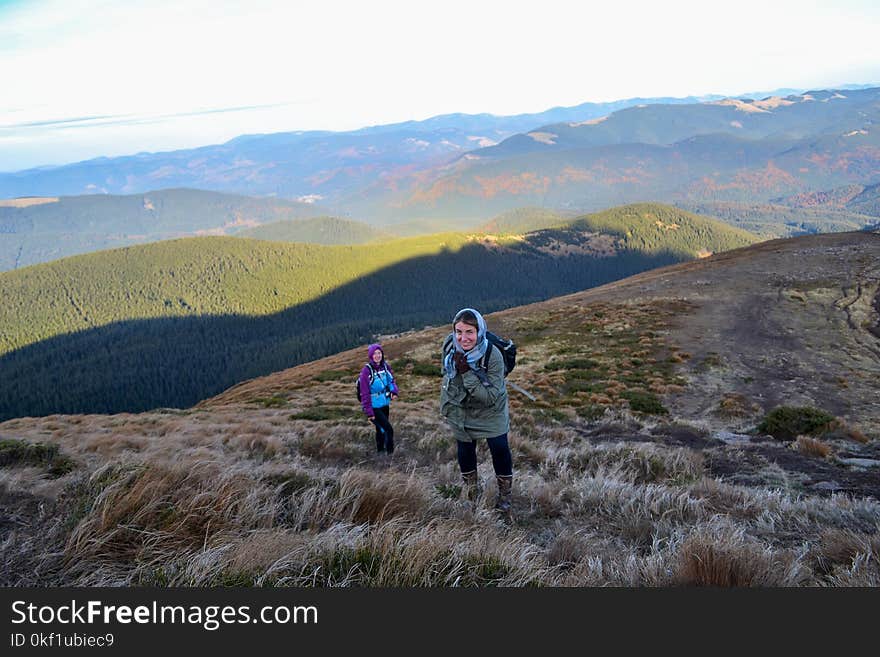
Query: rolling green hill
point(319, 230)
point(44, 229)
point(651, 227)
point(169, 323)
point(186, 277)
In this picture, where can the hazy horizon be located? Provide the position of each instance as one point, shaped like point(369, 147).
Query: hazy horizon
point(91, 78)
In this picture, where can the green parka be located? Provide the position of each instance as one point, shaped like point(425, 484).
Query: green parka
point(473, 410)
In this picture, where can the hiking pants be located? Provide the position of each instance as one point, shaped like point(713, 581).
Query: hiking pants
point(384, 430)
point(502, 460)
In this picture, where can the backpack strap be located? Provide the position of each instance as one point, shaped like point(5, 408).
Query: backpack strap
point(482, 372)
point(487, 356)
point(388, 378)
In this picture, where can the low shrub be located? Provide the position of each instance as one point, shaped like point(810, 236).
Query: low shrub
point(20, 452)
point(644, 402)
point(275, 401)
point(788, 422)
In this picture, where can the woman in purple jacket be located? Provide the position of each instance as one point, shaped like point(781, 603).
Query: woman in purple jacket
point(378, 389)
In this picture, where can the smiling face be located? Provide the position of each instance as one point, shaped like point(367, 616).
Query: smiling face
point(377, 356)
point(466, 335)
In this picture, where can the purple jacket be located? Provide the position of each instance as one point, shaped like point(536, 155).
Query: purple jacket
point(364, 380)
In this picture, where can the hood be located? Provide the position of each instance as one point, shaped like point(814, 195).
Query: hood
point(372, 350)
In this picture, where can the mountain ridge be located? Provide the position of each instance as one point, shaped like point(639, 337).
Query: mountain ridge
point(321, 164)
point(667, 153)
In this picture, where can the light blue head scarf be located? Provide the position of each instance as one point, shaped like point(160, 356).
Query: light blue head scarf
point(475, 354)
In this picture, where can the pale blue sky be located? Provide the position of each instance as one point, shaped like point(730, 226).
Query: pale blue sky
point(83, 78)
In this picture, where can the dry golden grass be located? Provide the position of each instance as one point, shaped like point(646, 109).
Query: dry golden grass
point(858, 436)
point(373, 498)
point(813, 447)
point(840, 429)
point(567, 548)
point(733, 405)
point(618, 514)
point(718, 555)
point(844, 555)
point(166, 506)
point(734, 501)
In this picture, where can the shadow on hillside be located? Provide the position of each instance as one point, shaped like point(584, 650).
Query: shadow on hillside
point(137, 365)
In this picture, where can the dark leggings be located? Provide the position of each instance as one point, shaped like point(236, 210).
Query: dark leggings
point(384, 430)
point(502, 460)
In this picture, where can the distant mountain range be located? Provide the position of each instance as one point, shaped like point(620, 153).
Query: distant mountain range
point(743, 151)
point(318, 165)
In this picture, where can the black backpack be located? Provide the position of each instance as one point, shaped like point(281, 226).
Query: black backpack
point(505, 346)
point(357, 381)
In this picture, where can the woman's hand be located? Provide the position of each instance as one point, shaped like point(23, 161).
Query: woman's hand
point(394, 396)
point(461, 363)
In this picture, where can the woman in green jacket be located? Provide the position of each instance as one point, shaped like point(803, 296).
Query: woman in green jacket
point(473, 401)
